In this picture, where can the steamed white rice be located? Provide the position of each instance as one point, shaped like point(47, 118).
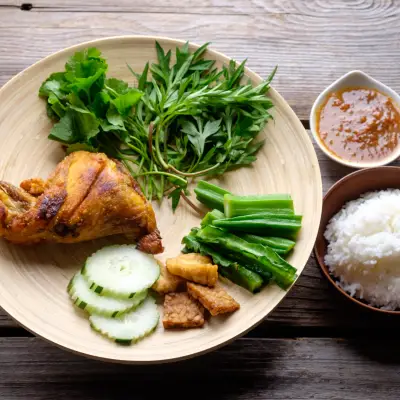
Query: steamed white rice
point(364, 248)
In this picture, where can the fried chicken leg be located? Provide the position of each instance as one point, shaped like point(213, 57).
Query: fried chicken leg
point(88, 196)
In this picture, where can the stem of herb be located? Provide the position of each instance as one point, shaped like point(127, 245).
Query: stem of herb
point(158, 151)
point(150, 139)
point(136, 149)
point(140, 165)
point(162, 173)
point(195, 208)
point(193, 174)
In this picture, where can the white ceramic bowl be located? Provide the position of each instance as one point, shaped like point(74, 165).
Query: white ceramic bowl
point(352, 79)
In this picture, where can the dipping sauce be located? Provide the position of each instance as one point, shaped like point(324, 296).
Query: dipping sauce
point(360, 125)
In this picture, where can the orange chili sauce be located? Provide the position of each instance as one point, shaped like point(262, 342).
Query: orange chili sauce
point(359, 125)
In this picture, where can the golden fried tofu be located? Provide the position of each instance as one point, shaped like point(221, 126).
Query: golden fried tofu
point(182, 311)
point(216, 300)
point(194, 267)
point(167, 282)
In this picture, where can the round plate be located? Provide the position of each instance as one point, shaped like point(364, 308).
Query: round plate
point(33, 279)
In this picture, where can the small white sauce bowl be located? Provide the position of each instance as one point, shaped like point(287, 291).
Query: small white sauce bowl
point(352, 79)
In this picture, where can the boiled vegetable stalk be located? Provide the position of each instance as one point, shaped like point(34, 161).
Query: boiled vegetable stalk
point(245, 205)
point(212, 216)
point(286, 226)
point(281, 246)
point(228, 268)
point(210, 195)
point(262, 257)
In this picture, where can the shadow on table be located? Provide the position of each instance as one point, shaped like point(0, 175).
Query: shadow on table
point(382, 350)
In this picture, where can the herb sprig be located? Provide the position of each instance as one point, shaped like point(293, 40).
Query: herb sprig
point(183, 119)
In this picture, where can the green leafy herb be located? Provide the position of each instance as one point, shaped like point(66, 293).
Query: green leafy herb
point(175, 195)
point(182, 120)
point(198, 134)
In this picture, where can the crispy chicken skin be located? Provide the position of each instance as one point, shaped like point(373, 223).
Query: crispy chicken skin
point(88, 196)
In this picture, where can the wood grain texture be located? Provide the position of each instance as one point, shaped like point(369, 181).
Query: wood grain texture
point(338, 8)
point(274, 369)
point(313, 42)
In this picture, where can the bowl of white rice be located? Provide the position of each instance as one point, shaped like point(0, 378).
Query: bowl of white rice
point(358, 244)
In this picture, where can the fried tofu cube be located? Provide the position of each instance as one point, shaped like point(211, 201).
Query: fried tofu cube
point(182, 311)
point(216, 300)
point(194, 267)
point(167, 283)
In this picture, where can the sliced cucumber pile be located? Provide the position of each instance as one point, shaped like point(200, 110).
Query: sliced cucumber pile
point(112, 288)
point(120, 271)
point(130, 327)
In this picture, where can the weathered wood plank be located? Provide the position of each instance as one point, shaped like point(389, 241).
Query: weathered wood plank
point(158, 6)
point(312, 303)
point(312, 42)
point(247, 369)
point(336, 9)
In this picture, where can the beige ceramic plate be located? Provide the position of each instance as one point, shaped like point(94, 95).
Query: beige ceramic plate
point(33, 280)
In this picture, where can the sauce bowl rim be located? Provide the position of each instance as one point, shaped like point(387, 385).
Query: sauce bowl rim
point(321, 98)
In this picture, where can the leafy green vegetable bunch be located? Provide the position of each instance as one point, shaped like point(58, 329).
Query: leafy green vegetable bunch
point(183, 119)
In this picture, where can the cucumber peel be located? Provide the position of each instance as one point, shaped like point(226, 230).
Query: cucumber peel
point(93, 303)
point(130, 327)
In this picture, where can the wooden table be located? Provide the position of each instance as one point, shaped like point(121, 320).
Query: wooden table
point(314, 345)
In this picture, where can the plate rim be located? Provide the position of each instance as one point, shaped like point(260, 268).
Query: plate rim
point(295, 122)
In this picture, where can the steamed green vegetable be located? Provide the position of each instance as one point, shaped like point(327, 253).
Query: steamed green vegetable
point(244, 277)
point(228, 268)
point(245, 205)
point(281, 246)
point(210, 195)
point(183, 119)
point(274, 227)
point(262, 258)
point(286, 226)
point(273, 214)
point(212, 216)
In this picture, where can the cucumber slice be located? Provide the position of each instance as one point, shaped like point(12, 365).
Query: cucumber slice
point(120, 271)
point(93, 303)
point(132, 326)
